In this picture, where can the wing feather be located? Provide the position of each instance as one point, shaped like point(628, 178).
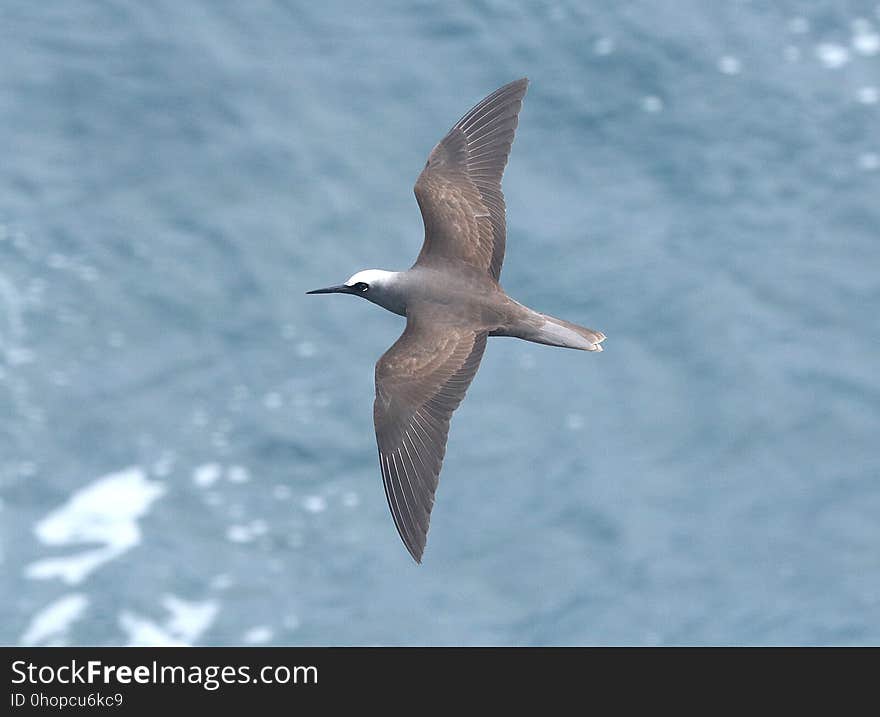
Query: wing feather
point(420, 381)
point(459, 190)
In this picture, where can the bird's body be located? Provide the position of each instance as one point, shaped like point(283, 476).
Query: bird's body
point(453, 302)
point(472, 299)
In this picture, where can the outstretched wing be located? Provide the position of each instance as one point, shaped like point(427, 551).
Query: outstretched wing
point(420, 381)
point(459, 190)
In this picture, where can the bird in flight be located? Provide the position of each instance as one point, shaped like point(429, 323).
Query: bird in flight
point(452, 302)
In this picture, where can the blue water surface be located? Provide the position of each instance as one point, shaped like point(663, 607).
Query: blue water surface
point(186, 443)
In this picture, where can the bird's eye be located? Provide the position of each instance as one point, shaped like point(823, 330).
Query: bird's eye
point(361, 286)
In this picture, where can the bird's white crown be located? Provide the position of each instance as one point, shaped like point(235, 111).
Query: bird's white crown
point(371, 277)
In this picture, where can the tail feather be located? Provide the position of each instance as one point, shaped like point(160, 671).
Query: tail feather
point(528, 324)
point(558, 332)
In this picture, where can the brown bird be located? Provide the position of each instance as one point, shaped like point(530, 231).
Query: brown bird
point(452, 302)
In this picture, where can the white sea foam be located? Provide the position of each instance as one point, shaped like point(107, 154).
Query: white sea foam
point(238, 534)
point(186, 622)
point(868, 95)
point(652, 104)
point(729, 65)
point(245, 533)
point(866, 43)
point(272, 401)
point(314, 504)
point(257, 635)
point(832, 55)
point(206, 475)
point(869, 161)
point(105, 512)
point(145, 633)
point(237, 474)
point(49, 627)
point(189, 619)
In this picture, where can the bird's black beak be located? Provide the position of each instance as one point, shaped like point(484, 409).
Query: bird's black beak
point(341, 289)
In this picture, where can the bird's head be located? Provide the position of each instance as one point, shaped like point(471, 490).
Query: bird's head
point(376, 285)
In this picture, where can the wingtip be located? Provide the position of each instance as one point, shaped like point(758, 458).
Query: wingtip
point(415, 554)
point(521, 82)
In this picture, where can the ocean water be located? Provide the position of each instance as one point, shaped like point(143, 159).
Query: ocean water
point(186, 443)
